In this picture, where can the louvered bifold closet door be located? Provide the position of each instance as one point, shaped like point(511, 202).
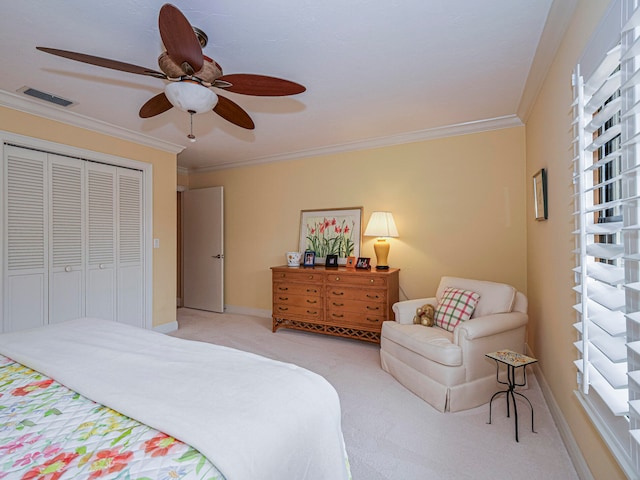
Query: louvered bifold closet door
point(66, 239)
point(101, 240)
point(25, 268)
point(130, 268)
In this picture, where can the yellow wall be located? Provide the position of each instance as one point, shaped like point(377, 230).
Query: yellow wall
point(550, 243)
point(164, 192)
point(458, 203)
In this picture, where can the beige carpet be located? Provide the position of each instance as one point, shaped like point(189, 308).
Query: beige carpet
point(390, 433)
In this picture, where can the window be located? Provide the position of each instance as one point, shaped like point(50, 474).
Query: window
point(607, 273)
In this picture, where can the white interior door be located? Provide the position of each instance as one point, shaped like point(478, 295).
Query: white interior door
point(66, 234)
point(203, 249)
point(101, 241)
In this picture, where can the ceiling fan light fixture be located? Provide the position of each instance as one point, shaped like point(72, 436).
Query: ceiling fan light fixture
point(191, 97)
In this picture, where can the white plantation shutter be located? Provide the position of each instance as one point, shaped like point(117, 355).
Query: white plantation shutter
point(630, 94)
point(607, 192)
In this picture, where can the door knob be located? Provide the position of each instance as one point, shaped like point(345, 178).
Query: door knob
point(217, 256)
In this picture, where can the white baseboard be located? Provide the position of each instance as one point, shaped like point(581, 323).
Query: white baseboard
point(255, 312)
point(167, 327)
point(580, 464)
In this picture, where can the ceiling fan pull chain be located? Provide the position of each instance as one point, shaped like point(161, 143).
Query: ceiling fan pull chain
point(191, 136)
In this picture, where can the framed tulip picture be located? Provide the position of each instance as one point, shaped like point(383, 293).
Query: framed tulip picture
point(331, 232)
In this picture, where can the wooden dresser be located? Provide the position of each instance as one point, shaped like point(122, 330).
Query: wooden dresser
point(341, 301)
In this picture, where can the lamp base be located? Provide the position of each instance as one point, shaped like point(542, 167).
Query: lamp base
point(381, 247)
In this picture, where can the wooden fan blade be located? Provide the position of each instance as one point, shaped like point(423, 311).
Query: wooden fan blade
point(155, 106)
point(260, 85)
point(179, 38)
point(103, 62)
point(233, 113)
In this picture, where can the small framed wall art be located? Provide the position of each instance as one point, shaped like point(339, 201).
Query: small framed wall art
point(540, 195)
point(331, 232)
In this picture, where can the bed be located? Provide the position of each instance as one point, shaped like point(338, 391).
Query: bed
point(94, 399)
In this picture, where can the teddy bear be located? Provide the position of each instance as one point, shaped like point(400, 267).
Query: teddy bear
point(424, 315)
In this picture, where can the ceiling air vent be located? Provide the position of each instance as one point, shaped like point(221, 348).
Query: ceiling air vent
point(47, 97)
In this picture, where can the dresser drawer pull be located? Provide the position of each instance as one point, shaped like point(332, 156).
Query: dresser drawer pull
point(284, 299)
point(310, 277)
point(338, 304)
point(337, 315)
point(282, 275)
point(371, 281)
point(375, 297)
point(312, 290)
point(283, 289)
point(284, 309)
point(309, 312)
point(374, 320)
point(337, 279)
point(372, 308)
point(337, 293)
point(312, 301)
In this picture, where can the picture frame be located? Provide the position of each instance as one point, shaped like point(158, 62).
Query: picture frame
point(351, 262)
point(309, 258)
point(331, 261)
point(363, 263)
point(335, 231)
point(540, 195)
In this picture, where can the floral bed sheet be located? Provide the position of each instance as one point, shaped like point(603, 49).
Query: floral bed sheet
point(48, 432)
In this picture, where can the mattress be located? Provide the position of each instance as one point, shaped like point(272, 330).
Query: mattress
point(249, 416)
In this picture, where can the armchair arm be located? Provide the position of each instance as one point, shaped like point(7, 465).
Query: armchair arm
point(489, 325)
point(406, 310)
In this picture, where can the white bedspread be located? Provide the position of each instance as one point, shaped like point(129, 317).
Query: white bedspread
point(253, 417)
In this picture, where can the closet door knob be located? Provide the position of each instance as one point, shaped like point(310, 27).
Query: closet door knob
point(67, 268)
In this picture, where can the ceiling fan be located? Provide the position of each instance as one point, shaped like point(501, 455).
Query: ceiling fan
point(191, 75)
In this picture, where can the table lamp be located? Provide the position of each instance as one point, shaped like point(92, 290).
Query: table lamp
point(381, 225)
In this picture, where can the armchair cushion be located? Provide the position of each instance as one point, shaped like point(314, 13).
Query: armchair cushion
point(495, 297)
point(455, 306)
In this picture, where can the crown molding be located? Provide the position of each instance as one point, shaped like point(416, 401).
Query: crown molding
point(466, 128)
point(34, 107)
point(555, 27)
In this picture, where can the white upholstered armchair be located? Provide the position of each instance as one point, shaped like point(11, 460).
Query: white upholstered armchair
point(448, 369)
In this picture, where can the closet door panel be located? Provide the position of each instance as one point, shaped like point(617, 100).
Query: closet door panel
point(129, 248)
point(101, 241)
point(25, 247)
point(66, 239)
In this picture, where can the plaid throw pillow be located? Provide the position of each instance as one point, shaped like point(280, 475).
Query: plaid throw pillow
point(456, 306)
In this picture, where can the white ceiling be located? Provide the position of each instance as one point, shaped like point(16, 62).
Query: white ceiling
point(376, 71)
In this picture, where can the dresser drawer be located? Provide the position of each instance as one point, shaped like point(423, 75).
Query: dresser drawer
point(355, 320)
point(357, 306)
point(296, 275)
point(293, 288)
point(299, 312)
point(297, 300)
point(362, 280)
point(337, 292)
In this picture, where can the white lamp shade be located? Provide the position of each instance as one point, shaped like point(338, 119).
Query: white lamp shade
point(191, 97)
point(381, 224)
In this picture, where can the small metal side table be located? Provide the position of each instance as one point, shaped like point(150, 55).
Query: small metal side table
point(512, 360)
